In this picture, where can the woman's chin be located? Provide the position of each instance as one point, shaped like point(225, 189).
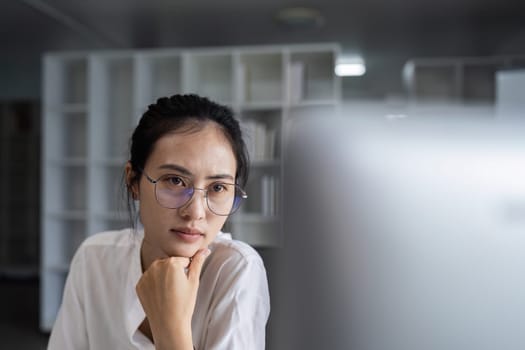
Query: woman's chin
point(184, 253)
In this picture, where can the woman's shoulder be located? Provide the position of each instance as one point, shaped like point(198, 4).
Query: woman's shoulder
point(124, 237)
point(229, 255)
point(233, 262)
point(226, 247)
point(107, 250)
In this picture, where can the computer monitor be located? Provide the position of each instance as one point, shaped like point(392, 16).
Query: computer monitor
point(403, 234)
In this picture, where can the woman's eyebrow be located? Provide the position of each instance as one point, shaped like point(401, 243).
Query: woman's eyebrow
point(220, 177)
point(183, 171)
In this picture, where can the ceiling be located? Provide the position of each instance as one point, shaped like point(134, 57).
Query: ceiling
point(382, 31)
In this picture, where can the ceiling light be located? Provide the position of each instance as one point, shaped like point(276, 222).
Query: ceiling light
point(350, 67)
point(300, 17)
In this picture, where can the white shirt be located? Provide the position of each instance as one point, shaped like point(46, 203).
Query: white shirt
point(101, 310)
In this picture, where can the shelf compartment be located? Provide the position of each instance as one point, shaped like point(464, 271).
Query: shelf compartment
point(65, 79)
point(311, 77)
point(261, 78)
point(479, 82)
point(263, 189)
point(66, 134)
point(65, 188)
point(63, 237)
point(159, 75)
point(112, 116)
point(436, 83)
point(209, 75)
point(108, 189)
point(261, 130)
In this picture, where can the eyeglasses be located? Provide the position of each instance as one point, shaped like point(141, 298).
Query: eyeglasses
point(174, 191)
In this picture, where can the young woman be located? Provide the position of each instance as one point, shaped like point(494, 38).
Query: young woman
point(180, 283)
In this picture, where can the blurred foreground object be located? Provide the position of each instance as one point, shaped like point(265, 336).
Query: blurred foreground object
point(403, 234)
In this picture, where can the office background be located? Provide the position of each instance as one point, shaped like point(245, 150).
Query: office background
point(384, 34)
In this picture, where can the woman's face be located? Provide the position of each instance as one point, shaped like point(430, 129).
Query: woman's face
point(200, 157)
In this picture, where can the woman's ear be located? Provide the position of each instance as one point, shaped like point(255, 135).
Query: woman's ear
point(131, 182)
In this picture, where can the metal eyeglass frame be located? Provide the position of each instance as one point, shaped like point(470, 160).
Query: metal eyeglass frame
point(205, 190)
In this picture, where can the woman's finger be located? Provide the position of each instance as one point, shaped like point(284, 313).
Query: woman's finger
point(179, 261)
point(194, 270)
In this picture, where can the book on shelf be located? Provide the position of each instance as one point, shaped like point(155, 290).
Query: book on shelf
point(243, 91)
point(260, 140)
point(269, 195)
point(296, 82)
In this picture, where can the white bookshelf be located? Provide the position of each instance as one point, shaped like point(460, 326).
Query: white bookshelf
point(93, 100)
point(457, 79)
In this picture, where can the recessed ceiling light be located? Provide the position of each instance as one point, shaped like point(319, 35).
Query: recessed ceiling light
point(300, 17)
point(350, 66)
point(350, 69)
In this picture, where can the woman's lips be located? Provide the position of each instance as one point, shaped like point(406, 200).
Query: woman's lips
point(189, 236)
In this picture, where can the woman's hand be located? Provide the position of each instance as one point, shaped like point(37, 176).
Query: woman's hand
point(168, 295)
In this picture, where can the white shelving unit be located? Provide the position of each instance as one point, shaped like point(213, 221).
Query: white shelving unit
point(457, 79)
point(93, 100)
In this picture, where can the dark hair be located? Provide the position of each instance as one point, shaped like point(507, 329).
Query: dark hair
point(191, 112)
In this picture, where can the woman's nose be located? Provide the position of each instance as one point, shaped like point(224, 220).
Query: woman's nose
point(196, 207)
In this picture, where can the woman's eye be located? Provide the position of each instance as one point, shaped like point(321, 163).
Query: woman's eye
point(175, 181)
point(218, 187)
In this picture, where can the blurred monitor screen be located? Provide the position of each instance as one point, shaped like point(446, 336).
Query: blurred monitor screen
point(403, 234)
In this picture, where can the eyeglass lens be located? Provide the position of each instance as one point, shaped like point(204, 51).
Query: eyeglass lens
point(222, 198)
